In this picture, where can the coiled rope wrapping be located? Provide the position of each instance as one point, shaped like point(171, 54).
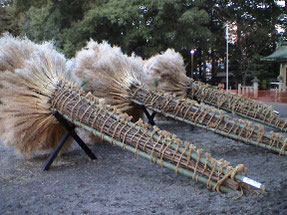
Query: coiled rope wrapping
point(208, 118)
point(83, 109)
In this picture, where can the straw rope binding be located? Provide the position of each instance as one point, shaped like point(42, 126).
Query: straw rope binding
point(168, 72)
point(32, 93)
point(208, 118)
point(251, 109)
point(116, 79)
point(161, 146)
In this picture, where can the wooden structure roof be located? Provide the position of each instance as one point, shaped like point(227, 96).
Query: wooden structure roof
point(279, 55)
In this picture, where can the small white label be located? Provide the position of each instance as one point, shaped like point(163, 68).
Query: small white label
point(251, 182)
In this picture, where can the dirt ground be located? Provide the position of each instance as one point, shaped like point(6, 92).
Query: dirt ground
point(121, 183)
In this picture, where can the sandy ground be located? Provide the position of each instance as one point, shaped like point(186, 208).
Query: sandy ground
point(121, 183)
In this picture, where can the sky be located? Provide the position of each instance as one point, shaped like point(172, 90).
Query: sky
point(282, 3)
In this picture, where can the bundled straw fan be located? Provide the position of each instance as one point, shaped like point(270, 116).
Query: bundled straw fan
point(118, 80)
point(34, 84)
point(168, 70)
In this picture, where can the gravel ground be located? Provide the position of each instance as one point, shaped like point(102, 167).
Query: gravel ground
point(121, 183)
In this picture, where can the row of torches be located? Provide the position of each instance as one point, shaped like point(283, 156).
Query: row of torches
point(102, 91)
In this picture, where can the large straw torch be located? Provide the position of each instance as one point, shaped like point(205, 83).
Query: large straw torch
point(34, 84)
point(118, 80)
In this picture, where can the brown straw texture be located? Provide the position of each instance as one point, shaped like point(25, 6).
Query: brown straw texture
point(206, 117)
point(86, 110)
point(41, 88)
point(106, 72)
point(167, 70)
point(108, 66)
point(252, 109)
point(26, 121)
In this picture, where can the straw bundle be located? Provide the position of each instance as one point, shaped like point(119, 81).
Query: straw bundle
point(208, 118)
point(15, 52)
point(102, 70)
point(96, 70)
point(26, 120)
point(125, 87)
point(251, 109)
point(170, 64)
point(164, 72)
point(41, 83)
point(158, 146)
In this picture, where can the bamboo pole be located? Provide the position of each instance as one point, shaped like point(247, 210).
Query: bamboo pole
point(194, 155)
point(138, 98)
point(117, 81)
point(146, 156)
point(74, 100)
point(31, 95)
point(245, 140)
point(250, 109)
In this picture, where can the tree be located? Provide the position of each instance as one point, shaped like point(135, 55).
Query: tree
point(255, 31)
point(47, 19)
point(8, 23)
point(145, 27)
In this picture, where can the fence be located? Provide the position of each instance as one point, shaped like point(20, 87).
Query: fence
point(266, 96)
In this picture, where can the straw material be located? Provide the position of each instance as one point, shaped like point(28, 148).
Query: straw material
point(26, 86)
point(106, 72)
point(251, 109)
point(85, 110)
point(30, 95)
point(170, 65)
point(208, 118)
point(14, 52)
point(166, 72)
point(114, 87)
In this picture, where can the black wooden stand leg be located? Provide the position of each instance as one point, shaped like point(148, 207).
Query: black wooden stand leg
point(70, 131)
point(83, 145)
point(149, 117)
point(54, 154)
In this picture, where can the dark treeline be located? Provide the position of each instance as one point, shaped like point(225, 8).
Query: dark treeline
point(147, 27)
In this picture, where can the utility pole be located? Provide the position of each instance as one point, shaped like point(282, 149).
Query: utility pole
point(227, 57)
point(192, 52)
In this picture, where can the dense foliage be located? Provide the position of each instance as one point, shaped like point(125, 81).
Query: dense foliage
point(147, 27)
